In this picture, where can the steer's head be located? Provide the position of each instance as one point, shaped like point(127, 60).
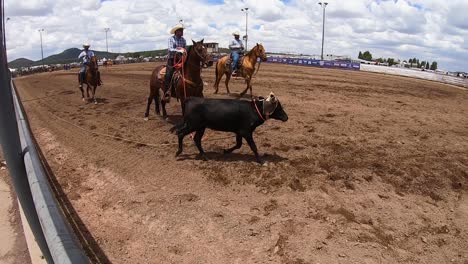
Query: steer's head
point(272, 108)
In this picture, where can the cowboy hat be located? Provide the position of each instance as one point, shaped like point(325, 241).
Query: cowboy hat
point(86, 44)
point(236, 33)
point(177, 27)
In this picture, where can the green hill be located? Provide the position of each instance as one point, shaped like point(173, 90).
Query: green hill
point(71, 55)
point(21, 62)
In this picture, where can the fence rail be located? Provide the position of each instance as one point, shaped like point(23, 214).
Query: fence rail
point(61, 241)
point(458, 81)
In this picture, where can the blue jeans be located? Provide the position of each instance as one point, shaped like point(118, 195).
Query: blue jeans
point(235, 58)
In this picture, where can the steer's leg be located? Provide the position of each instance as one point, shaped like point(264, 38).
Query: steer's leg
point(252, 145)
point(237, 146)
point(181, 133)
point(198, 137)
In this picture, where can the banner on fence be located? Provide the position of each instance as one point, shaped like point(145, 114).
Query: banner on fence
point(315, 63)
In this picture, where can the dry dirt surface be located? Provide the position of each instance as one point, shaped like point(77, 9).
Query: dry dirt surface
point(369, 168)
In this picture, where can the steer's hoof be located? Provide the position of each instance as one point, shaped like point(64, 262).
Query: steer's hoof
point(178, 153)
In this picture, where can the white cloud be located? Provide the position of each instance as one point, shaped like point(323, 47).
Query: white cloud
point(426, 29)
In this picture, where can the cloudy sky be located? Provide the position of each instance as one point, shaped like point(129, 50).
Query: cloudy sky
point(434, 30)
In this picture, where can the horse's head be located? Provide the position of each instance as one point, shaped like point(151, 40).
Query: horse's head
point(259, 52)
point(93, 62)
point(202, 53)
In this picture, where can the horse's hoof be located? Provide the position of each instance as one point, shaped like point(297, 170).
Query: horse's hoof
point(95, 102)
point(83, 99)
point(146, 119)
point(178, 153)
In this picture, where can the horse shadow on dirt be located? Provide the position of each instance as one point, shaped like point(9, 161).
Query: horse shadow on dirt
point(231, 157)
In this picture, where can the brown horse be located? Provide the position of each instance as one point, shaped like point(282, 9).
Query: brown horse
point(92, 79)
point(186, 81)
point(246, 70)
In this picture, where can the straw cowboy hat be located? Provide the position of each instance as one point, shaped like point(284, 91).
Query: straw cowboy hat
point(176, 27)
point(86, 44)
point(236, 33)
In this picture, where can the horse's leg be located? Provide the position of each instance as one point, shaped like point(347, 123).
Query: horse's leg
point(156, 102)
point(163, 106)
point(87, 91)
point(246, 88)
point(198, 137)
point(182, 104)
point(94, 93)
point(82, 93)
point(150, 99)
point(228, 77)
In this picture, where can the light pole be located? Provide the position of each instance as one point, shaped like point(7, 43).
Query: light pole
point(107, 30)
point(323, 4)
point(246, 10)
point(42, 51)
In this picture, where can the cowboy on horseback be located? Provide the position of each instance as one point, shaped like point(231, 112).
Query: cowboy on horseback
point(176, 47)
point(85, 57)
point(237, 49)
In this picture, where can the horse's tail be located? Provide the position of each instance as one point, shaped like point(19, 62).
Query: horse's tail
point(216, 70)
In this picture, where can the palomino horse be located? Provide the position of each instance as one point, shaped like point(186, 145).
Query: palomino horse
point(186, 81)
point(91, 80)
point(246, 70)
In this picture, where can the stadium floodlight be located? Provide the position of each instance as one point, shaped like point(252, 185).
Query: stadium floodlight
point(246, 10)
point(323, 4)
point(107, 46)
point(42, 51)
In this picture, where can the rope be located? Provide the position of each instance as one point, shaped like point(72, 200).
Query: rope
point(180, 65)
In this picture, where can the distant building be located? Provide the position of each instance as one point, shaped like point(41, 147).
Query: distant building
point(212, 47)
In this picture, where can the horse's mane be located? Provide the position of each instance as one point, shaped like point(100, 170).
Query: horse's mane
point(250, 51)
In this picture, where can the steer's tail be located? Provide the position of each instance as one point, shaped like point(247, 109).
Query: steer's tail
point(177, 127)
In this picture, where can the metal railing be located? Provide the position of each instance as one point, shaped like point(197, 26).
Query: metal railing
point(62, 244)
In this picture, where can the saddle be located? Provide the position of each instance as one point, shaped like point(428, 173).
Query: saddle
point(162, 74)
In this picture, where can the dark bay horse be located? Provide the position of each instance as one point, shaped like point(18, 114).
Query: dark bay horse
point(186, 82)
point(246, 70)
point(92, 79)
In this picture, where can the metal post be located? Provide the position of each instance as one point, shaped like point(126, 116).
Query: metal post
point(107, 30)
point(246, 10)
point(42, 51)
point(11, 146)
point(324, 4)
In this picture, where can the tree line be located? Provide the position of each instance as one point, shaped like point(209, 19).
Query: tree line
point(414, 62)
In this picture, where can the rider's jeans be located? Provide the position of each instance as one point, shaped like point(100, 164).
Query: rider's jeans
point(235, 59)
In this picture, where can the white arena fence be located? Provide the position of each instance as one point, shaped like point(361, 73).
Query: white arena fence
point(458, 81)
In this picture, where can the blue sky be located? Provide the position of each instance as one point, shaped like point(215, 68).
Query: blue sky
point(431, 30)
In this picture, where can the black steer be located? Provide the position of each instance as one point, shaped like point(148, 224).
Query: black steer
point(230, 115)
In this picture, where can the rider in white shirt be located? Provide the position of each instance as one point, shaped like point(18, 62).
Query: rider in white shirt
point(237, 49)
point(84, 57)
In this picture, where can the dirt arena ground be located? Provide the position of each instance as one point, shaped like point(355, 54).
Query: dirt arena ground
point(369, 168)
